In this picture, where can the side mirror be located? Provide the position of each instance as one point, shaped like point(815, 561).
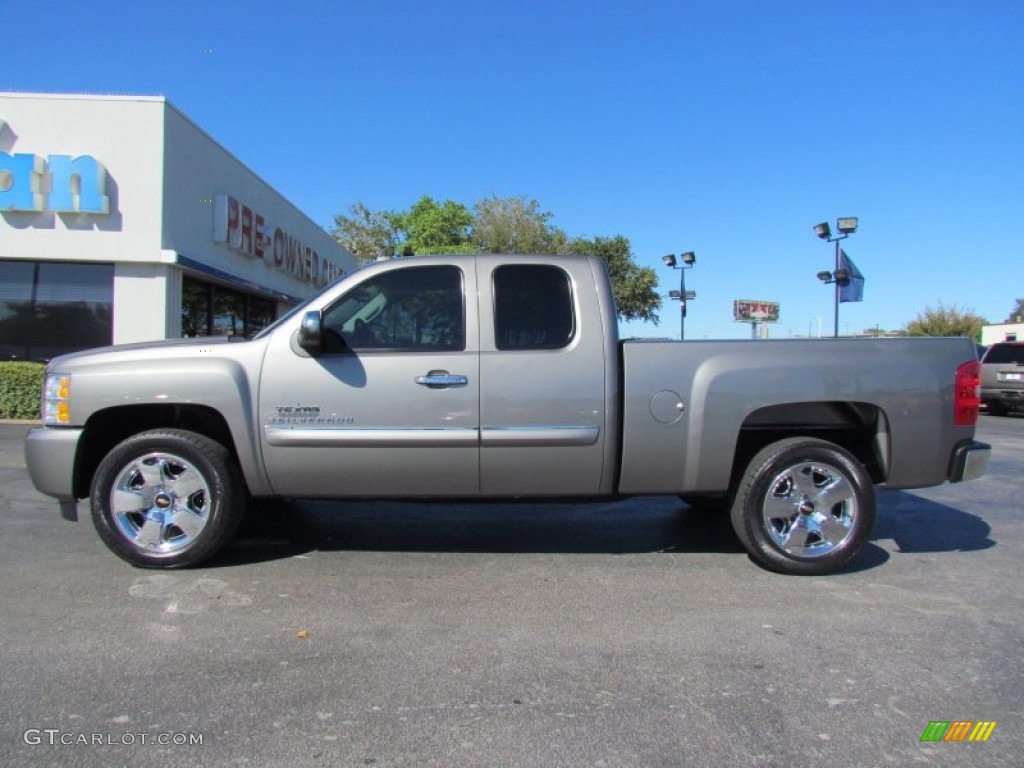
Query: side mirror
point(311, 334)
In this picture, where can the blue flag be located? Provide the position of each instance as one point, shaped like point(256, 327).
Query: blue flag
point(851, 289)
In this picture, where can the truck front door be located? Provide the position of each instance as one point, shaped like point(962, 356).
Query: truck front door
point(391, 406)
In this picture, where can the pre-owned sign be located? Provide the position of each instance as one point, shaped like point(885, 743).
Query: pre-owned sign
point(246, 231)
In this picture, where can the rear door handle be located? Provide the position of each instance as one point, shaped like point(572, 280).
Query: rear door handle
point(442, 380)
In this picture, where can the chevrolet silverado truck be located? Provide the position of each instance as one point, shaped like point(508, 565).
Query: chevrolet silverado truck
point(491, 377)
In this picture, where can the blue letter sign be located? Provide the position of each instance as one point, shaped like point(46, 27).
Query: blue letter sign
point(77, 185)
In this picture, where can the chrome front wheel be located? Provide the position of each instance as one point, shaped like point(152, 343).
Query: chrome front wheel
point(160, 503)
point(167, 498)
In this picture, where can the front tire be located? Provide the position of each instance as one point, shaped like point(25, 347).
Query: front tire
point(804, 507)
point(167, 498)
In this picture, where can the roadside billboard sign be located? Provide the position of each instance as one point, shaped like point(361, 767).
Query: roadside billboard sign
point(752, 311)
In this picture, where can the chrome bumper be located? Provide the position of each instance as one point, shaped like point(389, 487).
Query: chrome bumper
point(970, 461)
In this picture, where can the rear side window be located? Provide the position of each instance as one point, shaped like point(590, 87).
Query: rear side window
point(1005, 354)
point(533, 307)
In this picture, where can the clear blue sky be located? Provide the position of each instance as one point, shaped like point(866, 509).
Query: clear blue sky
point(726, 127)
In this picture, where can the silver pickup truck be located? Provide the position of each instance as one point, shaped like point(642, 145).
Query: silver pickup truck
point(470, 377)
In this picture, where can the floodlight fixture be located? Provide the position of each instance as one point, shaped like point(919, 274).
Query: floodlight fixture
point(847, 225)
point(688, 259)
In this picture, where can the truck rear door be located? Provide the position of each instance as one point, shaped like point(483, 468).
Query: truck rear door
point(546, 380)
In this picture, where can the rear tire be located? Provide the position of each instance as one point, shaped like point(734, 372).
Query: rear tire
point(995, 408)
point(167, 498)
point(804, 507)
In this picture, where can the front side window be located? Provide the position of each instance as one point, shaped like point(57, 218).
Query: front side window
point(533, 307)
point(414, 308)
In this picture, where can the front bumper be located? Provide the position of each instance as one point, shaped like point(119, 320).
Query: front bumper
point(970, 461)
point(50, 455)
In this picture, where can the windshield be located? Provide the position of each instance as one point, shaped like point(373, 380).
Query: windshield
point(302, 307)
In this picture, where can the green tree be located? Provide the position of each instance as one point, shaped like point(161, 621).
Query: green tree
point(367, 235)
point(515, 225)
point(432, 227)
point(512, 225)
point(1017, 315)
point(946, 321)
point(635, 287)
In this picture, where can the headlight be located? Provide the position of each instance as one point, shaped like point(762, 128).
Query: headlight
point(56, 399)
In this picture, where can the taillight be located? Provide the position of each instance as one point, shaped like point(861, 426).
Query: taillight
point(967, 394)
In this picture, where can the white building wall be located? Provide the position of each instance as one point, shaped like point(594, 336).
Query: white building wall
point(125, 135)
point(145, 304)
point(992, 334)
point(162, 176)
point(198, 171)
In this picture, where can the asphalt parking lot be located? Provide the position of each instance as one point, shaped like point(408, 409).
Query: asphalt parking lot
point(623, 634)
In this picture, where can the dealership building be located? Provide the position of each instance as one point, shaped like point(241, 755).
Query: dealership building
point(122, 221)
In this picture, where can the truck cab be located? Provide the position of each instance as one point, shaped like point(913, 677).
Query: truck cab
point(446, 377)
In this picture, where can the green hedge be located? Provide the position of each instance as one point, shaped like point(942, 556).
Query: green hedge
point(20, 387)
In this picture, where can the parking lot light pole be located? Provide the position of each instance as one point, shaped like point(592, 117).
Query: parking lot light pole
point(846, 225)
point(682, 295)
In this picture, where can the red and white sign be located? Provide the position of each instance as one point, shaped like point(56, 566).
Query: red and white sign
point(749, 311)
point(246, 231)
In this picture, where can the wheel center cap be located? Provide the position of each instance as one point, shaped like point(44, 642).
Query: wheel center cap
point(162, 500)
point(806, 507)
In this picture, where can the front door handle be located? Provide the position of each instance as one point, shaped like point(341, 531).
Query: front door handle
point(442, 380)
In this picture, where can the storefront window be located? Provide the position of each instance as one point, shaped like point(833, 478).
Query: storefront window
point(195, 308)
point(260, 314)
point(50, 308)
point(209, 309)
point(228, 312)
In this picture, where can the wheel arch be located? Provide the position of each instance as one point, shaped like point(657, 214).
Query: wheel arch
point(860, 428)
point(108, 427)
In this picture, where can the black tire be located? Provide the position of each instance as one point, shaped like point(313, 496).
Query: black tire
point(167, 498)
point(996, 408)
point(804, 507)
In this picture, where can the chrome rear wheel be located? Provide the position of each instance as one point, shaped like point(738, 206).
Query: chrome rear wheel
point(810, 509)
point(804, 506)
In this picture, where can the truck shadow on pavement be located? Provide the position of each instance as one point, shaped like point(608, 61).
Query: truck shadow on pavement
point(662, 524)
point(655, 524)
point(916, 524)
